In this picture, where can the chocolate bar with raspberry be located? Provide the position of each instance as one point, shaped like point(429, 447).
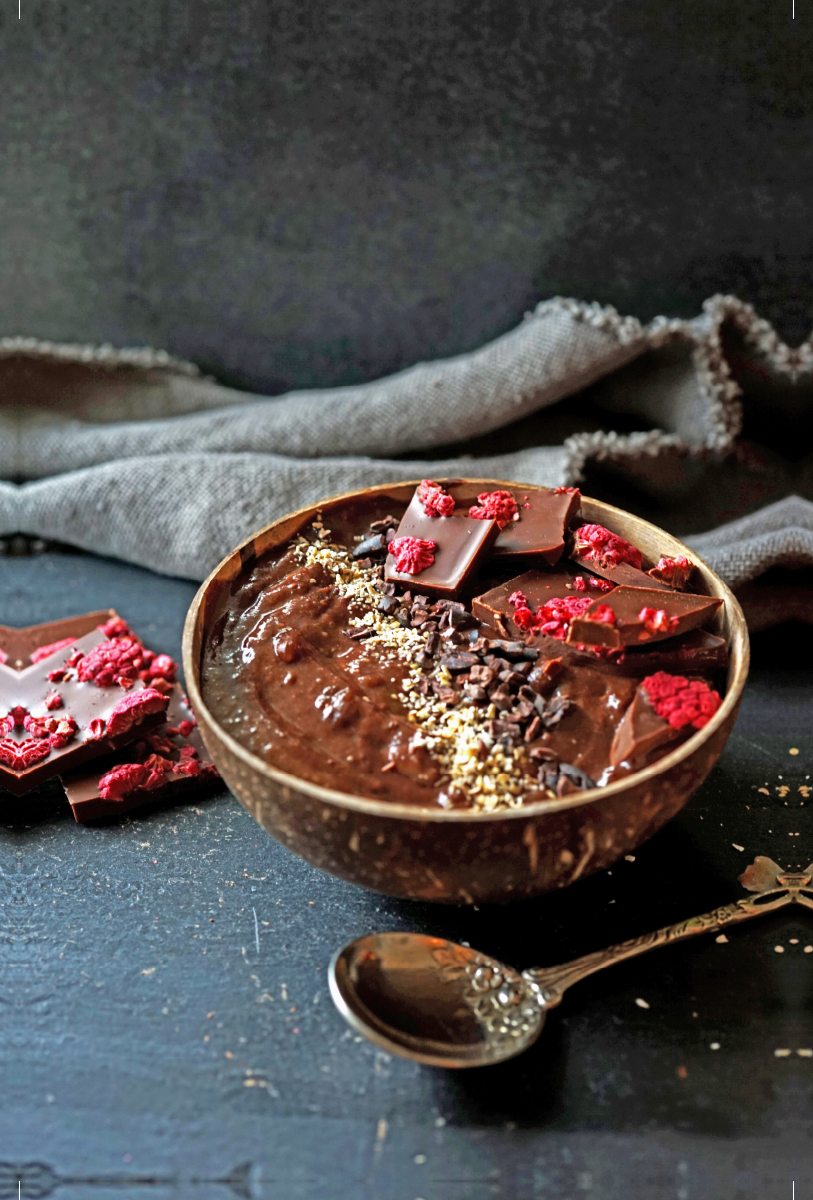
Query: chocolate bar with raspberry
point(632, 616)
point(164, 765)
point(537, 525)
point(77, 694)
point(495, 610)
point(440, 554)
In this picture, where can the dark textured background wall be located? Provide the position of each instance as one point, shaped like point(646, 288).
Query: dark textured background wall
point(298, 194)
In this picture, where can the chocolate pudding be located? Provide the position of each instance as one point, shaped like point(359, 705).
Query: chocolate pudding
point(466, 650)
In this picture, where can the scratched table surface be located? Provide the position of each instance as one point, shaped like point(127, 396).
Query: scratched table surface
point(158, 1041)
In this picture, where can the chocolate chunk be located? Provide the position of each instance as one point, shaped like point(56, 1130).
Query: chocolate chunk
point(458, 662)
point(640, 732)
point(383, 525)
point(543, 676)
point(474, 691)
point(461, 545)
point(564, 779)
point(629, 627)
point(387, 605)
point(544, 517)
point(371, 547)
point(358, 633)
point(513, 650)
point(552, 711)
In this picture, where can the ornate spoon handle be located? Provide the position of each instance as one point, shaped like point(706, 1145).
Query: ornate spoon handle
point(550, 983)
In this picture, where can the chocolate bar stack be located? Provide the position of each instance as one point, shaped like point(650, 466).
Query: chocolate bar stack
point(86, 690)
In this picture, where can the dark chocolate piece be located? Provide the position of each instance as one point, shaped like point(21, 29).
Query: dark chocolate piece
point(494, 610)
point(620, 574)
point(80, 712)
point(173, 741)
point(462, 544)
point(695, 651)
point(627, 626)
point(544, 518)
point(640, 732)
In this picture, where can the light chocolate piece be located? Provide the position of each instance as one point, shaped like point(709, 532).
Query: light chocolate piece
point(636, 617)
point(462, 544)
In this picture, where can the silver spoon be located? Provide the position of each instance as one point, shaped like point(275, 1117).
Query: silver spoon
point(449, 1006)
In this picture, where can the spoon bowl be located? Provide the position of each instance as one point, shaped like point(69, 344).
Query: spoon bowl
point(434, 1001)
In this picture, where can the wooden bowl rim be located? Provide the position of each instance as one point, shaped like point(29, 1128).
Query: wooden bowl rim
point(739, 660)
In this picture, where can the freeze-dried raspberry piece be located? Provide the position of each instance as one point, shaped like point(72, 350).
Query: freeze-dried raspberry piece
point(116, 661)
point(53, 700)
point(596, 542)
point(160, 666)
point(95, 730)
point(681, 701)
point(129, 777)
point(674, 571)
point(116, 628)
point(604, 614)
point(523, 617)
point(555, 615)
point(412, 555)
point(435, 502)
point(564, 491)
point(657, 620)
point(496, 506)
point(132, 709)
point(189, 766)
point(46, 651)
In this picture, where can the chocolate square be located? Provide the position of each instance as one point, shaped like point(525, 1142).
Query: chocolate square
point(544, 518)
point(463, 543)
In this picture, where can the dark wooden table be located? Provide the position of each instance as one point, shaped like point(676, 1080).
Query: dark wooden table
point(166, 1028)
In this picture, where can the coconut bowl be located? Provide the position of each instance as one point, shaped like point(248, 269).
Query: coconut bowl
point(462, 856)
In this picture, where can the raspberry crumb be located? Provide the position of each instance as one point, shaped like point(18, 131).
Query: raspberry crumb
point(604, 614)
point(129, 777)
point(681, 701)
point(496, 506)
point(412, 555)
point(657, 620)
point(596, 542)
point(53, 700)
point(436, 502)
point(46, 651)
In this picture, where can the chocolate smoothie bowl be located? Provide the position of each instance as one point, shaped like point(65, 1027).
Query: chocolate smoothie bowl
point(464, 690)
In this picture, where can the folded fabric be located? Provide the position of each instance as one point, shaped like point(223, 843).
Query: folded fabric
point(136, 455)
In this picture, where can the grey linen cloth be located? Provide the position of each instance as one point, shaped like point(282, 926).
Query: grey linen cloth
point(136, 455)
